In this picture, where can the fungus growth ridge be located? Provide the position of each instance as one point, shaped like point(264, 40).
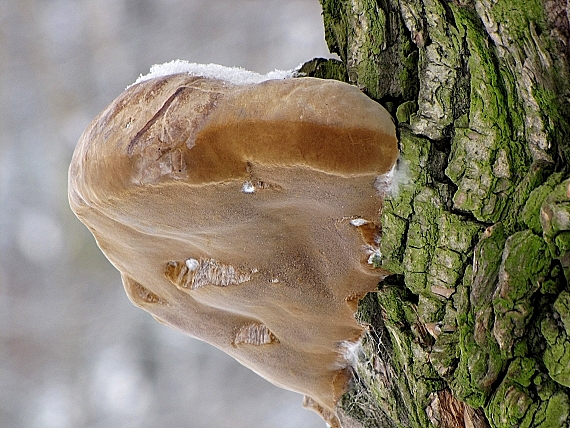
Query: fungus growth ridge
point(244, 215)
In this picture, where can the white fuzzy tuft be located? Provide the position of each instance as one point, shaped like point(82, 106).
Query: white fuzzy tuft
point(374, 256)
point(358, 222)
point(235, 75)
point(351, 352)
point(248, 187)
point(389, 183)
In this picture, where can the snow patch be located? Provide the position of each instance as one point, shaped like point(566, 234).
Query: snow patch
point(234, 75)
point(192, 264)
point(357, 222)
point(248, 187)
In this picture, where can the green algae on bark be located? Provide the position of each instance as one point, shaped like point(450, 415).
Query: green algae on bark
point(524, 266)
point(555, 221)
point(477, 230)
point(556, 331)
point(367, 35)
point(323, 69)
point(394, 376)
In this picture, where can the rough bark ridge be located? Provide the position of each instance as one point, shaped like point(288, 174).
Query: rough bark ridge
point(473, 327)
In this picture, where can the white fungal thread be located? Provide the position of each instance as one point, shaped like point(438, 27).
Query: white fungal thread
point(351, 352)
point(389, 183)
point(372, 242)
point(375, 256)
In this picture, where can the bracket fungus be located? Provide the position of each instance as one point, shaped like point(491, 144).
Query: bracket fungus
point(244, 215)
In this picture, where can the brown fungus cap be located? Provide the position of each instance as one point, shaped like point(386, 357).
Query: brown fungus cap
point(243, 215)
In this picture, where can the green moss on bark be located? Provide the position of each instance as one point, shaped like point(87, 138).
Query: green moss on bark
point(487, 159)
point(370, 39)
point(324, 69)
point(480, 359)
point(393, 368)
point(556, 330)
point(477, 227)
point(555, 222)
point(525, 265)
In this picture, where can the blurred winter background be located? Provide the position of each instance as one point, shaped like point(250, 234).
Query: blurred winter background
point(73, 351)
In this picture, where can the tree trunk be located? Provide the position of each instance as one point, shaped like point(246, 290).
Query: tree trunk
point(472, 329)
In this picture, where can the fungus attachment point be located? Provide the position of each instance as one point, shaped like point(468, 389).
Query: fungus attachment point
point(227, 208)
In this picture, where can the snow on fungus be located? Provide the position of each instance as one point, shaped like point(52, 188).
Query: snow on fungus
point(192, 264)
point(234, 75)
point(358, 222)
point(269, 271)
point(248, 187)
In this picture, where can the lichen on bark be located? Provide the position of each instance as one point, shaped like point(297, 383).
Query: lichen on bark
point(473, 326)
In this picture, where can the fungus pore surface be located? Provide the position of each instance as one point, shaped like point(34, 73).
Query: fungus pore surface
point(243, 215)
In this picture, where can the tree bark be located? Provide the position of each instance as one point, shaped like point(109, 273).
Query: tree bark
point(472, 328)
